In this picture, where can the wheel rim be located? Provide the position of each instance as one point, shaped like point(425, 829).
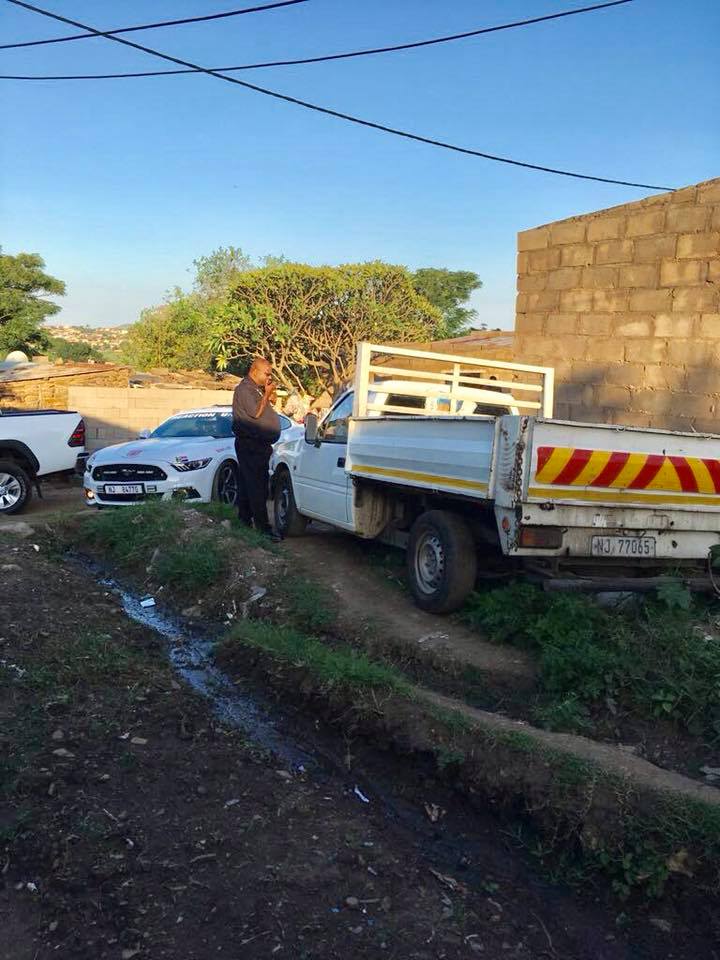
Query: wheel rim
point(228, 486)
point(283, 507)
point(429, 563)
point(10, 491)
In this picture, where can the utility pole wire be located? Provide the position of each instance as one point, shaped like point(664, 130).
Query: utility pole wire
point(371, 51)
point(326, 110)
point(154, 26)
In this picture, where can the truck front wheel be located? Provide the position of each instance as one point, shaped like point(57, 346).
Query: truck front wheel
point(441, 560)
point(289, 522)
point(15, 488)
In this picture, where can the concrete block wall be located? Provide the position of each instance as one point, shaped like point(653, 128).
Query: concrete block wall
point(625, 304)
point(113, 415)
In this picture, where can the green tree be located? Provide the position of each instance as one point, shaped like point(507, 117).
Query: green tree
point(216, 272)
point(175, 335)
point(23, 287)
point(78, 350)
point(449, 291)
point(307, 320)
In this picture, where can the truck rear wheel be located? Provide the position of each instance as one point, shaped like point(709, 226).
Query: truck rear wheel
point(15, 487)
point(441, 561)
point(289, 522)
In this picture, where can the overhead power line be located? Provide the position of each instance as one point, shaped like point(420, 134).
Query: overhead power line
point(371, 51)
point(154, 26)
point(326, 110)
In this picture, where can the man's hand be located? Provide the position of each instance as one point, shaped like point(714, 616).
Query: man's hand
point(270, 392)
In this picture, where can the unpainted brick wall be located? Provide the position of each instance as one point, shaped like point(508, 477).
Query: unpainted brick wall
point(113, 415)
point(52, 392)
point(625, 304)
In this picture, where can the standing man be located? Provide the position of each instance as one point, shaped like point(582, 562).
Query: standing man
point(256, 427)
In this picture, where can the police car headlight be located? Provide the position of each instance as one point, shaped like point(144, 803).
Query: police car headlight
point(184, 466)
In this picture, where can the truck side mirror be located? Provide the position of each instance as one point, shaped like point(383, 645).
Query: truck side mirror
point(311, 428)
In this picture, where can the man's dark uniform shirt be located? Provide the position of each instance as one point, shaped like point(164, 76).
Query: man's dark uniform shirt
point(254, 437)
point(257, 432)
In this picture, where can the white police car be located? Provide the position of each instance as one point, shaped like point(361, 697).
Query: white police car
point(190, 457)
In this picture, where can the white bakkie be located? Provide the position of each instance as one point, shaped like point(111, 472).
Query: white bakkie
point(191, 456)
point(457, 457)
point(35, 444)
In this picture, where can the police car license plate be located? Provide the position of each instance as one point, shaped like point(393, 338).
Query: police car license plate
point(120, 488)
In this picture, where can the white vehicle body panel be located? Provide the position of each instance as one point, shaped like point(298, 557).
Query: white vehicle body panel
point(45, 433)
point(114, 474)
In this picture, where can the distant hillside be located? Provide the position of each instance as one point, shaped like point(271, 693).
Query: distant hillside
point(108, 340)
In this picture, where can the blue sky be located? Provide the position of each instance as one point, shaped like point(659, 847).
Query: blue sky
point(119, 185)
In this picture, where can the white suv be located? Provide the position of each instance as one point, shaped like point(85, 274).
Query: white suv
point(191, 457)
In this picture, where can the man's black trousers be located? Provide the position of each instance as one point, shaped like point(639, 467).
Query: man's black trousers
point(253, 463)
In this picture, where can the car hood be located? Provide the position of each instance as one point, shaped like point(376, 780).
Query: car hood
point(157, 449)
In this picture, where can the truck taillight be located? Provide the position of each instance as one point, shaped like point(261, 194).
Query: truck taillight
point(77, 438)
point(543, 538)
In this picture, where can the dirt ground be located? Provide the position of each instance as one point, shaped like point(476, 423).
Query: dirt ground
point(134, 824)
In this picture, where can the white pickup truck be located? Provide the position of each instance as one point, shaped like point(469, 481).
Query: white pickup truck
point(436, 453)
point(35, 444)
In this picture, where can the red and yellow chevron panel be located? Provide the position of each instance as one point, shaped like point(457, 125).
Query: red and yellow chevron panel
point(613, 469)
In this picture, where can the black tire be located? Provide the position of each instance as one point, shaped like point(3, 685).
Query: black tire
point(15, 488)
point(226, 483)
point(441, 561)
point(289, 522)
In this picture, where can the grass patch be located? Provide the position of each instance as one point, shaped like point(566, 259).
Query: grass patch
point(311, 607)
point(340, 666)
point(655, 662)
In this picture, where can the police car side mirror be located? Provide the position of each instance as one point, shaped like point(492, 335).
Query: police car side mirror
point(144, 434)
point(311, 428)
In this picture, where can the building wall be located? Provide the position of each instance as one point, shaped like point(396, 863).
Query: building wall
point(625, 304)
point(52, 391)
point(113, 415)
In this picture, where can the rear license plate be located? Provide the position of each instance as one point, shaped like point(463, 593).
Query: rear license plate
point(623, 547)
point(119, 488)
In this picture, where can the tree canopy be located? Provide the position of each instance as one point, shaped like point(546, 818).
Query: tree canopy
point(77, 350)
point(449, 291)
point(23, 307)
point(307, 320)
point(176, 335)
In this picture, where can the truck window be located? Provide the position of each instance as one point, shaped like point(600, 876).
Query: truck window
point(412, 403)
point(335, 425)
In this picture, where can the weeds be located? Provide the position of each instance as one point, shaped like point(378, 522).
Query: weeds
point(655, 662)
point(311, 607)
point(338, 667)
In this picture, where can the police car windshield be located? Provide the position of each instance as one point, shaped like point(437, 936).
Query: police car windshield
point(198, 425)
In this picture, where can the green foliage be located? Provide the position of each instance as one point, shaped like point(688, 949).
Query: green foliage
point(78, 351)
point(310, 606)
point(131, 537)
point(175, 336)
point(23, 287)
point(674, 595)
point(655, 662)
point(216, 272)
point(449, 291)
point(340, 666)
point(307, 320)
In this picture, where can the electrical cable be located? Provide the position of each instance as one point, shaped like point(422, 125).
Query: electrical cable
point(329, 112)
point(154, 26)
point(372, 51)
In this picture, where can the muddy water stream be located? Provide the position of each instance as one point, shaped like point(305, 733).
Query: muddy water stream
point(469, 843)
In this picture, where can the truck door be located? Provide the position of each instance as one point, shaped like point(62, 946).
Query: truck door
point(323, 485)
